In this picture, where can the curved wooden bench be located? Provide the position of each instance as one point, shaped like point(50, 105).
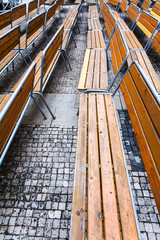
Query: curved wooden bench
point(101, 180)
point(143, 106)
point(12, 109)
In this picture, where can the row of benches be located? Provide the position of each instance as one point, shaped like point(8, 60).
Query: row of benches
point(13, 44)
point(13, 105)
point(136, 51)
point(148, 22)
point(102, 193)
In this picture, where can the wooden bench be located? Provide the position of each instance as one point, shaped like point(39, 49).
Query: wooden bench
point(46, 61)
point(18, 14)
point(94, 70)
point(94, 24)
point(133, 13)
point(12, 109)
point(146, 4)
point(110, 24)
point(32, 8)
point(93, 12)
point(34, 29)
point(102, 203)
point(9, 48)
point(143, 106)
point(149, 25)
point(95, 40)
point(50, 15)
point(104, 10)
point(135, 2)
point(5, 20)
point(113, 2)
point(156, 11)
point(123, 6)
point(69, 23)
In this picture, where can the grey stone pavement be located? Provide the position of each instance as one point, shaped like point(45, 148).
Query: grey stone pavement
point(36, 177)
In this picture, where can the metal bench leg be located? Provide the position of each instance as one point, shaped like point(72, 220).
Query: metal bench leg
point(24, 59)
point(65, 62)
point(73, 39)
point(39, 93)
point(38, 106)
point(78, 27)
point(67, 59)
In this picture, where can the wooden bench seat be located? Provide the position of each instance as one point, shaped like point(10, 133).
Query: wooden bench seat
point(12, 108)
point(3, 100)
point(94, 70)
point(135, 2)
point(143, 106)
point(95, 39)
point(94, 24)
point(93, 12)
point(100, 180)
point(156, 11)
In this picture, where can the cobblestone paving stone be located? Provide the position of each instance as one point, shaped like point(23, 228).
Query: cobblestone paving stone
point(148, 216)
point(36, 181)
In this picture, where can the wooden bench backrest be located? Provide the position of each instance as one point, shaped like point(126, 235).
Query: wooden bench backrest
point(105, 11)
point(110, 23)
point(135, 2)
point(51, 11)
point(147, 23)
point(35, 24)
point(146, 5)
point(101, 4)
point(156, 10)
point(144, 111)
point(9, 41)
point(18, 12)
point(119, 49)
point(32, 5)
point(5, 19)
point(51, 50)
point(113, 2)
point(132, 12)
point(123, 5)
point(156, 42)
point(41, 2)
point(14, 107)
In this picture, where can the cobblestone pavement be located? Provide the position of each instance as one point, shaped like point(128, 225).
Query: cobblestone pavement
point(36, 183)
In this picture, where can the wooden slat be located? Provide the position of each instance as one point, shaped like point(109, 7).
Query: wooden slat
point(83, 75)
point(79, 190)
point(128, 224)
point(110, 211)
point(94, 215)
